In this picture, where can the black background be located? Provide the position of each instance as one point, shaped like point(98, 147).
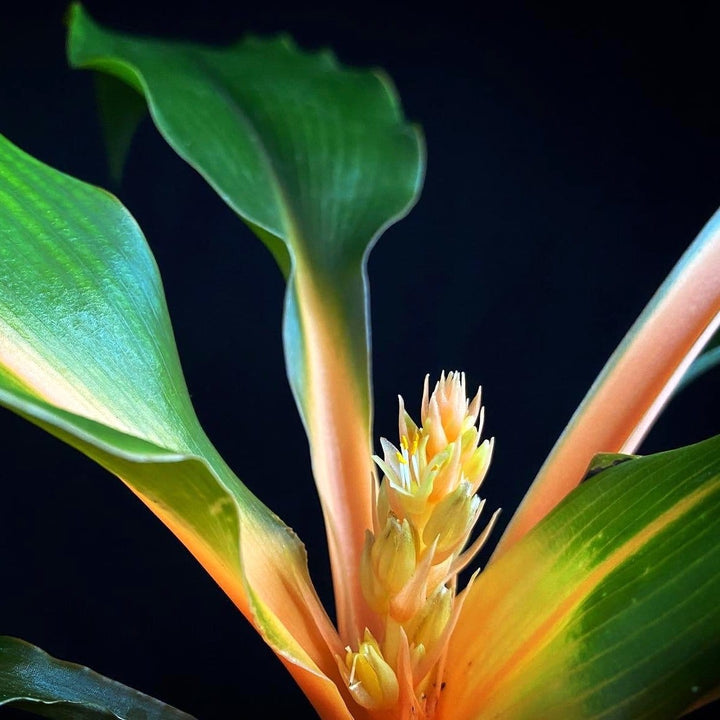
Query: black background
point(572, 156)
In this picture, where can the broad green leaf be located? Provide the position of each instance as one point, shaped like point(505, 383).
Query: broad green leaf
point(637, 380)
point(32, 680)
point(318, 160)
point(87, 353)
point(608, 608)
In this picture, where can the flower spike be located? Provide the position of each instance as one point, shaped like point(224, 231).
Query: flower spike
point(425, 511)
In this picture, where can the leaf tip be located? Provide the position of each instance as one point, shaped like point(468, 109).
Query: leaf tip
point(73, 11)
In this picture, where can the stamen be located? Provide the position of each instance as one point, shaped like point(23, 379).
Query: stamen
point(352, 682)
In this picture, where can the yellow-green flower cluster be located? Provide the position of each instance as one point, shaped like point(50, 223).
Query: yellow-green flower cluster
point(426, 508)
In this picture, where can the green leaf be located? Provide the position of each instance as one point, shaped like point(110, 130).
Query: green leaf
point(707, 361)
point(317, 155)
point(121, 110)
point(32, 680)
point(87, 353)
point(83, 320)
point(604, 461)
point(318, 160)
point(608, 607)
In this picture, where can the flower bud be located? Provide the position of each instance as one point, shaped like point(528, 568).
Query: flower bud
point(475, 460)
point(451, 521)
point(388, 562)
point(447, 413)
point(371, 680)
point(429, 624)
point(393, 555)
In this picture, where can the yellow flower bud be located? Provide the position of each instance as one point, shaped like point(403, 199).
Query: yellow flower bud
point(388, 562)
point(375, 595)
point(371, 680)
point(428, 625)
point(475, 460)
point(451, 521)
point(393, 555)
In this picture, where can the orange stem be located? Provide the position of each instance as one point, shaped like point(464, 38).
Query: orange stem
point(636, 382)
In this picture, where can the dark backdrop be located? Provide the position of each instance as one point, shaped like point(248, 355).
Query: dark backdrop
point(572, 156)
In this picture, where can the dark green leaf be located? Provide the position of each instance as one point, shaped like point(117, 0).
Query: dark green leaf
point(32, 680)
point(121, 110)
point(316, 158)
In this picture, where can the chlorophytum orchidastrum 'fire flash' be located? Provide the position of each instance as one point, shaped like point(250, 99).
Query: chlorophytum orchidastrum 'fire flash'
point(601, 598)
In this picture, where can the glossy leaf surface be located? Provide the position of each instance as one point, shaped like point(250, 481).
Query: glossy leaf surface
point(317, 159)
point(608, 608)
point(87, 353)
point(30, 679)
